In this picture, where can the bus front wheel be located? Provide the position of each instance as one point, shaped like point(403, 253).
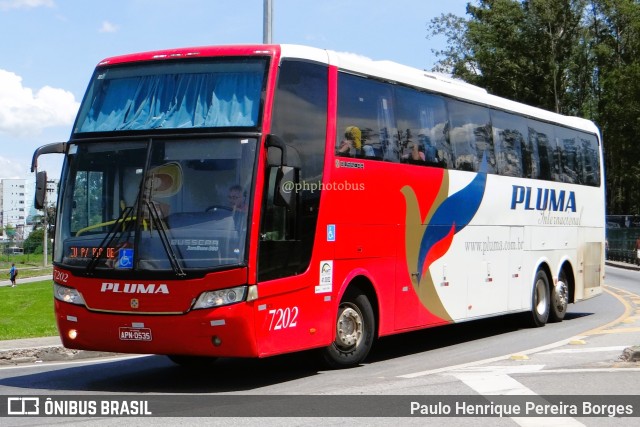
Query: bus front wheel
point(540, 303)
point(355, 332)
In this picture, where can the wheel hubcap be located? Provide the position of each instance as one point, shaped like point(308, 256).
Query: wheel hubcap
point(560, 296)
point(350, 327)
point(541, 297)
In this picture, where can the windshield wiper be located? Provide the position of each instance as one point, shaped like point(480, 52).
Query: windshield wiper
point(108, 238)
point(162, 232)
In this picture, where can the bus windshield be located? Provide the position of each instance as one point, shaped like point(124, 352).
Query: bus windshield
point(161, 204)
point(203, 94)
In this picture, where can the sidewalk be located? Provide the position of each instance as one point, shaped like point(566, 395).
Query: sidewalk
point(30, 350)
point(23, 280)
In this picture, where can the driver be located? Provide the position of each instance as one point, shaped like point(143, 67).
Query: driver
point(236, 199)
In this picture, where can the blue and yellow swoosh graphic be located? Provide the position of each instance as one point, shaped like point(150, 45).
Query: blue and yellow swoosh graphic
point(429, 237)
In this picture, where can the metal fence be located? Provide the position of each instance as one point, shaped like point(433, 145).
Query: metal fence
point(622, 243)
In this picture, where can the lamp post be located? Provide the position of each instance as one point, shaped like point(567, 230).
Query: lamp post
point(266, 27)
point(44, 234)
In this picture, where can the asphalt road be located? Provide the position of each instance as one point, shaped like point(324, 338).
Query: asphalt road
point(495, 357)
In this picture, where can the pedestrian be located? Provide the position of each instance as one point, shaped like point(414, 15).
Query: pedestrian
point(13, 273)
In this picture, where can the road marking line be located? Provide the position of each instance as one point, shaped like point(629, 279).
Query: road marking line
point(493, 383)
point(627, 311)
point(617, 331)
point(502, 369)
point(487, 361)
point(519, 357)
point(540, 349)
point(586, 350)
point(589, 370)
point(493, 380)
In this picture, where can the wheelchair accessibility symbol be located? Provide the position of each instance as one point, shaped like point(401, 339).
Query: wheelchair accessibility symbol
point(125, 258)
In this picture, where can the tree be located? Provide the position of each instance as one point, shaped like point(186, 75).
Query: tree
point(457, 58)
point(33, 243)
point(519, 50)
point(576, 57)
point(615, 27)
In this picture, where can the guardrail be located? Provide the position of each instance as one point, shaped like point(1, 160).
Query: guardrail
point(623, 255)
point(622, 243)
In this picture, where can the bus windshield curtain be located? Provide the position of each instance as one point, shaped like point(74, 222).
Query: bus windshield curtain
point(174, 101)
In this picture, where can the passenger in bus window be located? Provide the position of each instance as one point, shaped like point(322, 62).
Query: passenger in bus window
point(430, 152)
point(413, 154)
point(368, 151)
point(351, 145)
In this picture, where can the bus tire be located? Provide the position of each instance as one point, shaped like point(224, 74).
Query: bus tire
point(355, 332)
point(559, 299)
point(540, 300)
point(192, 362)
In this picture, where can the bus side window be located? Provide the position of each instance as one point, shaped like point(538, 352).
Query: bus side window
point(570, 155)
point(387, 125)
point(591, 164)
point(542, 137)
point(422, 128)
point(471, 136)
point(512, 157)
point(532, 165)
point(367, 105)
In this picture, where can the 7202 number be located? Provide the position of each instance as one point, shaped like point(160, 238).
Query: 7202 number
point(283, 318)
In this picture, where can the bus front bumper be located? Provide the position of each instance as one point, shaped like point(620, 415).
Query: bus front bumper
point(221, 332)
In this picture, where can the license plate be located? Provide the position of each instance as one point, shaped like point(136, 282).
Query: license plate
point(135, 334)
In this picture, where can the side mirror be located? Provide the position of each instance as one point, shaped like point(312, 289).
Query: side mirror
point(276, 142)
point(287, 176)
point(55, 148)
point(286, 185)
point(41, 190)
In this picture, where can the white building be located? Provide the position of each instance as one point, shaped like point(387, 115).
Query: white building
point(13, 206)
point(16, 205)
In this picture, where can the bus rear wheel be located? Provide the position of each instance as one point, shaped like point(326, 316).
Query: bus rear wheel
point(559, 299)
point(355, 332)
point(193, 362)
point(540, 303)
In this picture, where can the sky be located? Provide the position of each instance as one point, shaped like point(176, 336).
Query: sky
point(49, 48)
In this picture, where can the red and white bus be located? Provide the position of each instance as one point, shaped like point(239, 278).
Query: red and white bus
point(248, 201)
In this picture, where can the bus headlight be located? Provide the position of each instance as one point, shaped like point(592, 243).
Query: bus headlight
point(70, 295)
point(222, 297)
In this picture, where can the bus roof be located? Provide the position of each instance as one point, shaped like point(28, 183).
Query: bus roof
point(361, 65)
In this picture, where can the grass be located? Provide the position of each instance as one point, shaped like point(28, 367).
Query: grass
point(29, 265)
point(27, 311)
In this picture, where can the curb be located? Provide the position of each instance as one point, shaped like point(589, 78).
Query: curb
point(55, 353)
point(624, 265)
